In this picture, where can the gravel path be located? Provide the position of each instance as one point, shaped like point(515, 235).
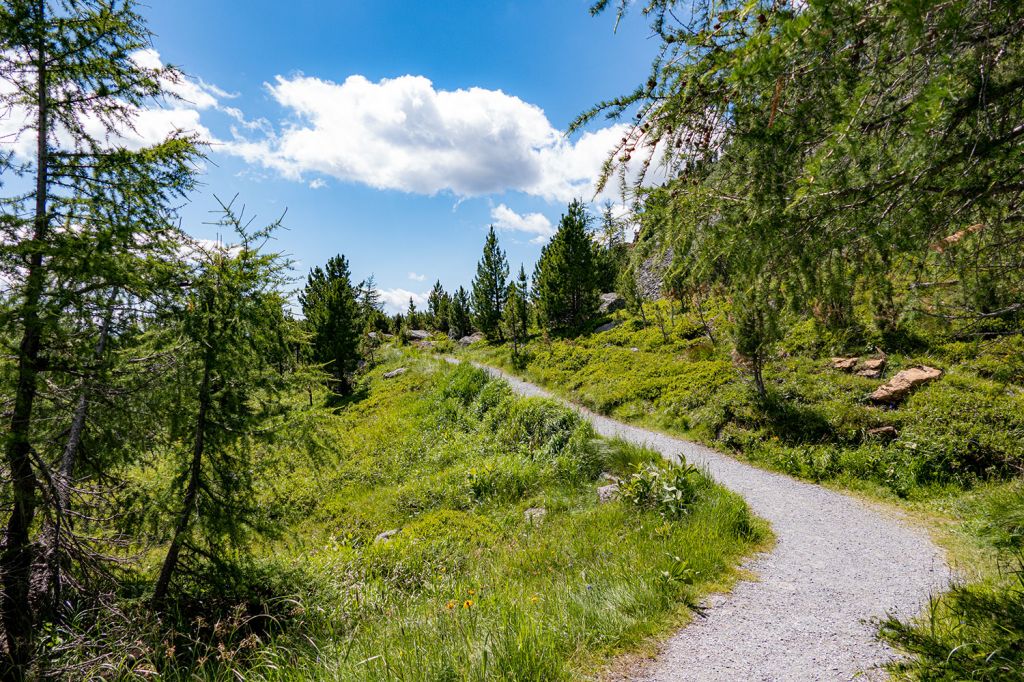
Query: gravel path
point(838, 565)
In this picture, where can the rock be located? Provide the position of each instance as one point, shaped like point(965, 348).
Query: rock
point(611, 302)
point(417, 334)
point(607, 326)
point(872, 369)
point(884, 433)
point(650, 273)
point(534, 515)
point(607, 493)
point(897, 388)
point(635, 349)
point(387, 535)
point(471, 339)
point(396, 373)
point(844, 364)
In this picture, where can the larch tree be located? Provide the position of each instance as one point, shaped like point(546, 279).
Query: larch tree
point(96, 202)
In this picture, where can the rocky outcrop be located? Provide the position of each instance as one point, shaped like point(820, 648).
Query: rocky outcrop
point(396, 373)
point(650, 273)
point(417, 334)
point(886, 433)
point(611, 302)
point(845, 364)
point(872, 368)
point(607, 326)
point(900, 386)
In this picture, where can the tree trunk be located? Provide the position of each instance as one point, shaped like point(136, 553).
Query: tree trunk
point(65, 475)
point(192, 488)
point(16, 559)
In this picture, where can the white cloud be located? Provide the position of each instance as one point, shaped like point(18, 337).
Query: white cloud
point(535, 224)
point(417, 277)
point(397, 300)
point(317, 183)
point(404, 134)
point(148, 126)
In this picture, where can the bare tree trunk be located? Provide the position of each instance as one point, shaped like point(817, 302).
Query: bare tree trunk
point(192, 487)
point(16, 559)
point(65, 474)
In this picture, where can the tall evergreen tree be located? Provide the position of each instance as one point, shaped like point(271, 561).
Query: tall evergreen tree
point(96, 220)
point(437, 306)
point(490, 288)
point(517, 311)
point(335, 321)
point(459, 321)
point(565, 280)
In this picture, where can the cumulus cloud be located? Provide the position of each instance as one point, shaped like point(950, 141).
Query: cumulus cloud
point(405, 134)
point(397, 300)
point(535, 224)
point(416, 277)
point(149, 125)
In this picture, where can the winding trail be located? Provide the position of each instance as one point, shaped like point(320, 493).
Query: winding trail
point(839, 565)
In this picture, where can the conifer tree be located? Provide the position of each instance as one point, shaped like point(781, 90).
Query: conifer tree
point(517, 311)
point(97, 219)
point(233, 323)
point(437, 305)
point(565, 280)
point(490, 288)
point(335, 321)
point(459, 322)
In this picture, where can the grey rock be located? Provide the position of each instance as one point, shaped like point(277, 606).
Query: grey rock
point(607, 493)
point(471, 339)
point(608, 326)
point(417, 334)
point(650, 273)
point(396, 373)
point(534, 515)
point(611, 302)
point(387, 535)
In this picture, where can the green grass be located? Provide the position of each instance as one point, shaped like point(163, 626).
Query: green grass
point(469, 588)
point(956, 463)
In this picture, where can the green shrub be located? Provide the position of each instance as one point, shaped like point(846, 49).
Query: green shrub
point(668, 488)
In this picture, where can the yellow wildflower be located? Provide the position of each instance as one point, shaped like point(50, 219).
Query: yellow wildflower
point(468, 603)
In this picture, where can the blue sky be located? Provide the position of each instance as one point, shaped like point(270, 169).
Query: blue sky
point(396, 132)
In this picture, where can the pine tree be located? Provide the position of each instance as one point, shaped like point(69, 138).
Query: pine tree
point(517, 310)
point(490, 288)
point(335, 321)
point(459, 323)
point(565, 279)
point(437, 306)
point(97, 220)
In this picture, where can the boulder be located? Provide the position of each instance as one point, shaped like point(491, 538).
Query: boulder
point(607, 326)
point(844, 364)
point(872, 369)
point(387, 535)
point(396, 373)
point(611, 302)
point(417, 334)
point(900, 386)
point(884, 433)
point(607, 493)
point(471, 339)
point(534, 515)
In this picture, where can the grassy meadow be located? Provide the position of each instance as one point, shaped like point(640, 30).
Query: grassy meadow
point(409, 552)
point(955, 463)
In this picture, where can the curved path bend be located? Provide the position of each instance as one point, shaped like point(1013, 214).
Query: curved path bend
point(838, 565)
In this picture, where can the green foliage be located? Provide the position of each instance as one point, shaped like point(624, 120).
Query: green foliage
point(565, 281)
point(459, 321)
point(668, 488)
point(490, 288)
point(438, 303)
point(332, 312)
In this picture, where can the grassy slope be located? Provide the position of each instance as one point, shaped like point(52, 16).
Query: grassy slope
point(955, 464)
point(470, 589)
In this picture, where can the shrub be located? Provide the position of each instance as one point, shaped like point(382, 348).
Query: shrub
point(666, 487)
